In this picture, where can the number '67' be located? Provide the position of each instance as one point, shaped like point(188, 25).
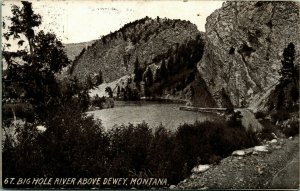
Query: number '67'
point(8, 180)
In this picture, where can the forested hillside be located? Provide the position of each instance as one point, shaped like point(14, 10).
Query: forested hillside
point(161, 53)
point(144, 39)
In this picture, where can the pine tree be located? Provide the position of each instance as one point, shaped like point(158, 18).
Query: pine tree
point(118, 92)
point(99, 78)
point(89, 82)
point(157, 77)
point(171, 63)
point(138, 72)
point(288, 71)
point(109, 91)
point(289, 78)
point(163, 70)
point(148, 78)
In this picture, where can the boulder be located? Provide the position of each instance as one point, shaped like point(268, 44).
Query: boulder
point(200, 168)
point(261, 148)
point(238, 153)
point(172, 187)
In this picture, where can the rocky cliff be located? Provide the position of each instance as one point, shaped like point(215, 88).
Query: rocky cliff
point(244, 46)
point(145, 39)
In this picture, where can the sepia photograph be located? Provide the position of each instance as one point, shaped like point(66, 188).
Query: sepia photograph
point(149, 94)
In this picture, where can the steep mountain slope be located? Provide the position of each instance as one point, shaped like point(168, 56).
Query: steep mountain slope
point(285, 95)
point(244, 46)
point(74, 49)
point(144, 39)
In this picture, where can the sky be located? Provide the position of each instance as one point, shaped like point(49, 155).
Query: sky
point(76, 21)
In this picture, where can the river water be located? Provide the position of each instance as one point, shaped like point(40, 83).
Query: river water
point(153, 113)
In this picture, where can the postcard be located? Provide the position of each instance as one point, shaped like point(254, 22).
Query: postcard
point(150, 94)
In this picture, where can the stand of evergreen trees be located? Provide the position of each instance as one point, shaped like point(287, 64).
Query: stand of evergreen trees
point(285, 97)
point(177, 68)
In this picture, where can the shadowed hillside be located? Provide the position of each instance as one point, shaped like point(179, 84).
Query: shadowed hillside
point(143, 39)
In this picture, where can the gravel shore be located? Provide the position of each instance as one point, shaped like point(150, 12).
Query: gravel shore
point(278, 167)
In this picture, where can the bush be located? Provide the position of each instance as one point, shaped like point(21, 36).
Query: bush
point(280, 115)
point(234, 118)
point(260, 115)
point(266, 133)
point(292, 128)
point(98, 101)
point(160, 152)
point(79, 144)
point(73, 145)
point(129, 149)
point(22, 111)
point(205, 142)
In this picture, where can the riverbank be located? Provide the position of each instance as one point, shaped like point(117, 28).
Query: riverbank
point(275, 167)
point(205, 110)
point(163, 100)
point(248, 119)
point(99, 103)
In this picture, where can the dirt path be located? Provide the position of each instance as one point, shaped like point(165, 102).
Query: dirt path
point(277, 168)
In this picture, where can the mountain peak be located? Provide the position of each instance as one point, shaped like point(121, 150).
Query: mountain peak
point(144, 39)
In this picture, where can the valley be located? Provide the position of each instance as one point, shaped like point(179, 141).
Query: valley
point(156, 98)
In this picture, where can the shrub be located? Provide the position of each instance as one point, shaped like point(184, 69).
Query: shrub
point(292, 128)
point(280, 115)
point(21, 154)
point(129, 149)
point(22, 111)
point(74, 145)
point(234, 119)
point(98, 101)
point(205, 142)
point(160, 152)
point(260, 115)
point(266, 133)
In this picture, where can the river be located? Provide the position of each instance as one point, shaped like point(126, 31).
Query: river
point(153, 113)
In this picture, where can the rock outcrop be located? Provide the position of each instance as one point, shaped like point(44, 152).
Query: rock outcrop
point(145, 39)
point(244, 46)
